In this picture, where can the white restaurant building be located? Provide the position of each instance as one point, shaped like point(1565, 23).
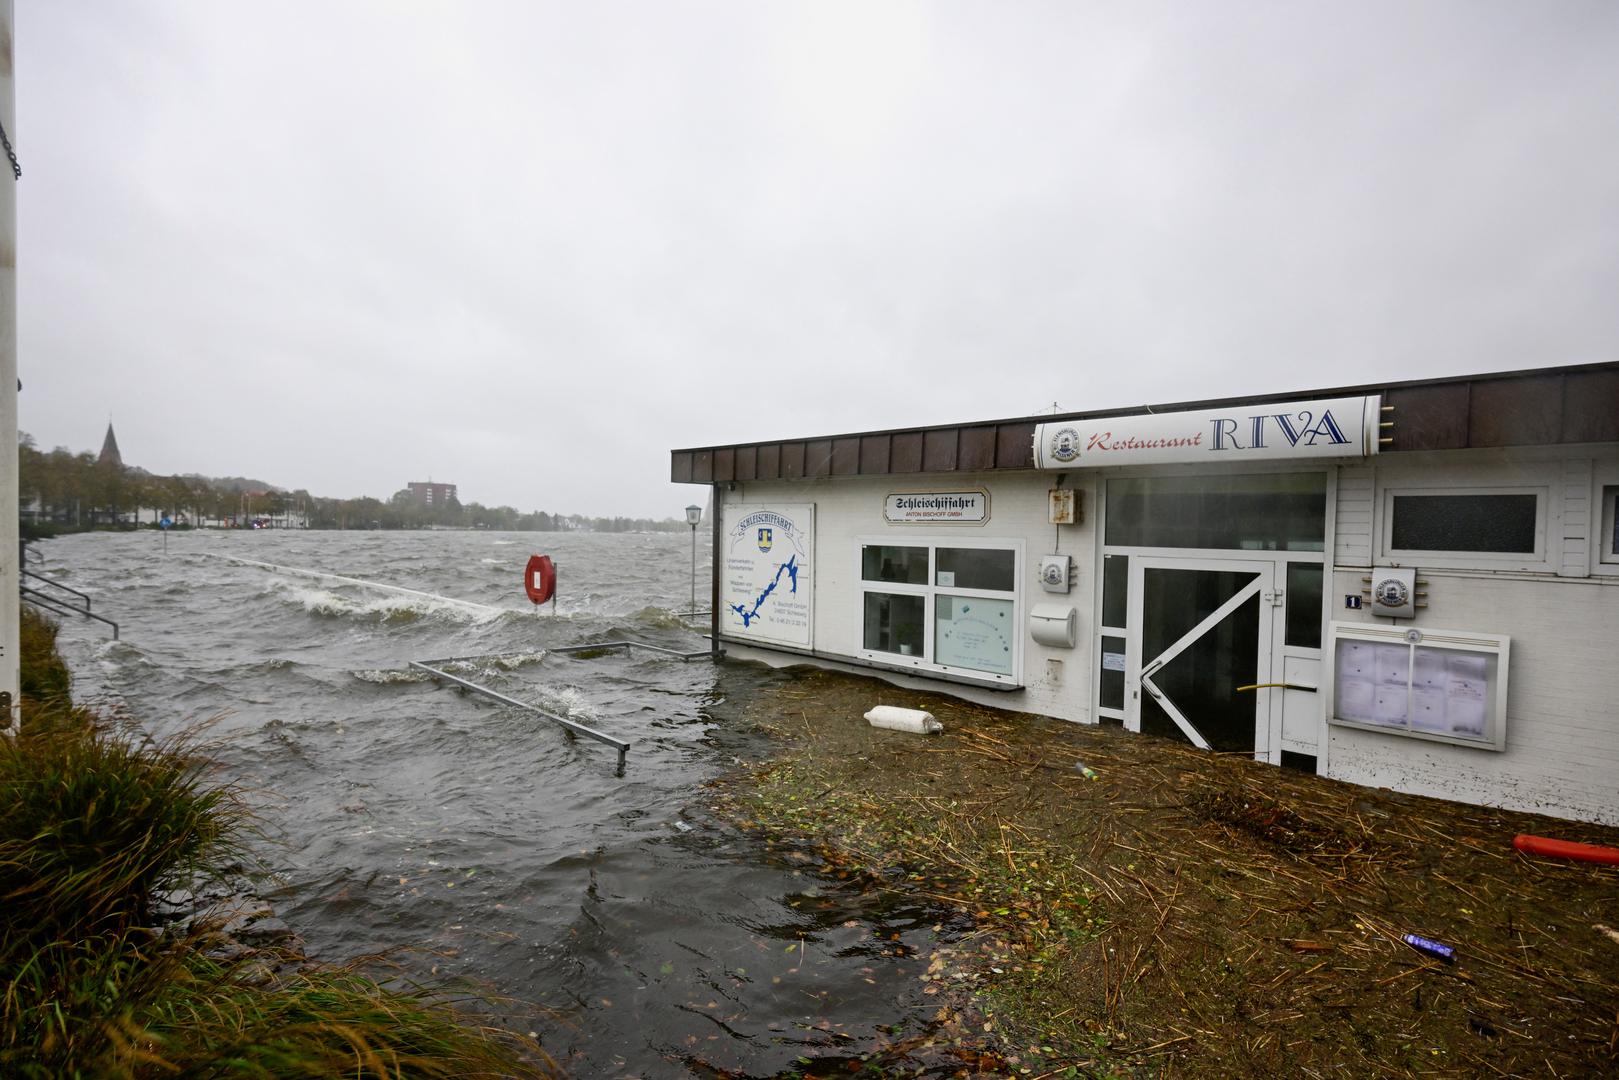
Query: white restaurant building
point(1412, 585)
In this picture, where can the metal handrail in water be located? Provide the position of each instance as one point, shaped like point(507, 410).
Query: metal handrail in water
point(568, 726)
point(62, 607)
point(568, 649)
point(628, 645)
point(58, 585)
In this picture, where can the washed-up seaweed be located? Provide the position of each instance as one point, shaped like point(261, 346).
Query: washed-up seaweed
point(1192, 913)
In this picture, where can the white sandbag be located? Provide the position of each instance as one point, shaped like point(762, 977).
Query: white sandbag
point(897, 719)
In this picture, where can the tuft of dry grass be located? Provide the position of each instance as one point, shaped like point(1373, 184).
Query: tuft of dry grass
point(95, 823)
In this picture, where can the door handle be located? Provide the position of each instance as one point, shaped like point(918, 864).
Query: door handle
point(1283, 685)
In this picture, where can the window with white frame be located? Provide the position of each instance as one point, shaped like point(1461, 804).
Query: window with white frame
point(1487, 524)
point(1609, 539)
point(947, 606)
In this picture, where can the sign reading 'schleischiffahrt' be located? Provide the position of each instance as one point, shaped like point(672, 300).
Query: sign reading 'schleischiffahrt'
point(765, 587)
point(1331, 428)
point(936, 508)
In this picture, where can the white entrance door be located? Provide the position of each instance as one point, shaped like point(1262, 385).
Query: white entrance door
point(1199, 644)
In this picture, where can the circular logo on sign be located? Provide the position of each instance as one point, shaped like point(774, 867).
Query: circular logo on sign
point(1065, 444)
point(1391, 592)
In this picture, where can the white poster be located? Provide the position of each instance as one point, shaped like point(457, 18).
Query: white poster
point(1402, 680)
point(767, 574)
point(973, 632)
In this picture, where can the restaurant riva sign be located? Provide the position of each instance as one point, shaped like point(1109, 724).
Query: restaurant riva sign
point(1330, 428)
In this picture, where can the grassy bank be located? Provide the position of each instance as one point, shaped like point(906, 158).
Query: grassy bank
point(1186, 913)
point(98, 824)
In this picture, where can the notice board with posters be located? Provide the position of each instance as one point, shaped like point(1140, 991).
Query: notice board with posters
point(767, 572)
point(1446, 685)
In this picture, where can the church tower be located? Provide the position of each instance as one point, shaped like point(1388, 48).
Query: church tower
point(109, 449)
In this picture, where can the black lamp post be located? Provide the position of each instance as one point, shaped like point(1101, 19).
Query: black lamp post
point(694, 514)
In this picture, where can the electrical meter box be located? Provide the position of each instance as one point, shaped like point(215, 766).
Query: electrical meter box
point(1056, 573)
point(1062, 506)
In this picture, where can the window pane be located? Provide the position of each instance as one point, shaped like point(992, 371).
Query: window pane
point(894, 623)
point(1446, 692)
point(977, 568)
point(1280, 512)
point(1610, 518)
point(972, 632)
point(1174, 601)
point(1115, 590)
point(1303, 597)
point(1202, 681)
point(1111, 678)
point(1504, 523)
point(903, 564)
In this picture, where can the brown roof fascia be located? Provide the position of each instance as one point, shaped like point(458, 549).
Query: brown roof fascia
point(1456, 388)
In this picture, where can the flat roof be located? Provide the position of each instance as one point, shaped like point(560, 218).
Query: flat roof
point(1538, 407)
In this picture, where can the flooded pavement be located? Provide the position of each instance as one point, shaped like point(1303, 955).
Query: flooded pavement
point(622, 920)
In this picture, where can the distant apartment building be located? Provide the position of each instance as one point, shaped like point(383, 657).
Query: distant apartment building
point(432, 496)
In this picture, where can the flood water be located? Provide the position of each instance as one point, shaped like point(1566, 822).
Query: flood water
point(637, 934)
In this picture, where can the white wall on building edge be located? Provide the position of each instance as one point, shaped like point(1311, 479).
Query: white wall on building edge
point(1561, 610)
point(1562, 736)
point(850, 508)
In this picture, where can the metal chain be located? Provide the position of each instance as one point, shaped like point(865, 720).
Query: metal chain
point(10, 153)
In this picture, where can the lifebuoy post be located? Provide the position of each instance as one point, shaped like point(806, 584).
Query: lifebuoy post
point(540, 580)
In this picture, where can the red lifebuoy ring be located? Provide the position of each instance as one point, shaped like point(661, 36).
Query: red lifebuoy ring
point(540, 578)
point(1565, 849)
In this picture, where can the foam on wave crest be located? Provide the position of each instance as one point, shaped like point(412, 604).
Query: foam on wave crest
point(660, 618)
point(112, 655)
point(387, 607)
point(567, 701)
point(390, 676)
point(494, 664)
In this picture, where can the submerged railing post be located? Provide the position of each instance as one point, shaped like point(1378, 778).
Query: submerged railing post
point(627, 646)
point(569, 726)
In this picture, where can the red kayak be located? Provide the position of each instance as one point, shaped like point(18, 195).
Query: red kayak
point(1565, 849)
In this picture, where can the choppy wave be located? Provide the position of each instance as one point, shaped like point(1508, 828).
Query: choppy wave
point(255, 668)
point(495, 663)
point(567, 701)
point(112, 655)
point(387, 608)
point(390, 676)
point(659, 617)
point(564, 700)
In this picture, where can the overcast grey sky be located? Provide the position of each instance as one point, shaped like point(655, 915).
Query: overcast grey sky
point(530, 247)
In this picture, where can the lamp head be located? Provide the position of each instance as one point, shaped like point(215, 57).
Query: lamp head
point(694, 514)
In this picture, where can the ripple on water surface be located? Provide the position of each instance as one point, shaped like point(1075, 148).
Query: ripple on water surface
point(647, 937)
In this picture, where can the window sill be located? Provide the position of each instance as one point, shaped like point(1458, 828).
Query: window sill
point(878, 663)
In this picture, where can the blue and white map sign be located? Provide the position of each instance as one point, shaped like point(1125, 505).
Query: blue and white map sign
point(765, 590)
